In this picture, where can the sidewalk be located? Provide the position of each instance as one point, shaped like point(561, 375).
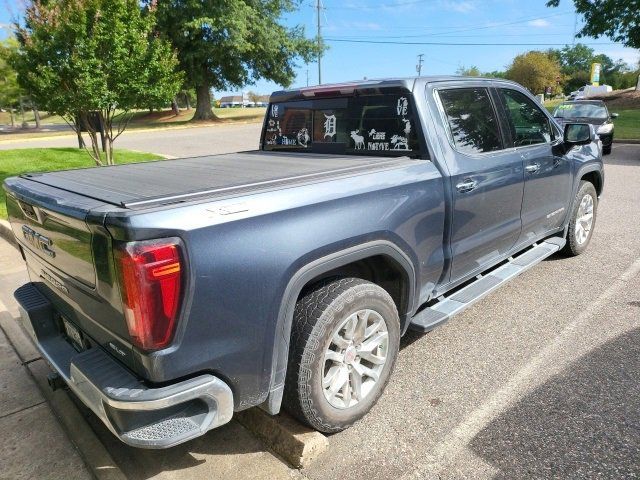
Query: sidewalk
point(33, 443)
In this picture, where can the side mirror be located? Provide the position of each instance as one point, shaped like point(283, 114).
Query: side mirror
point(614, 115)
point(579, 134)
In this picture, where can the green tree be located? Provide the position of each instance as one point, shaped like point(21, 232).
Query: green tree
point(575, 65)
point(227, 45)
point(472, 71)
point(576, 58)
point(82, 56)
point(616, 19)
point(534, 70)
point(495, 74)
point(9, 88)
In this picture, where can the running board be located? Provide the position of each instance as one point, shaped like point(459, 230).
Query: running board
point(459, 300)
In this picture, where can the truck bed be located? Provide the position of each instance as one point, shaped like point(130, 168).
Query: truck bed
point(167, 181)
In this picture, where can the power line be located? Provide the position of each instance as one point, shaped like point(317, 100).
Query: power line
point(368, 37)
point(384, 5)
point(464, 44)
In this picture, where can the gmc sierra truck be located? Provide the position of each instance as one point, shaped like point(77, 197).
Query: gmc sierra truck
point(169, 295)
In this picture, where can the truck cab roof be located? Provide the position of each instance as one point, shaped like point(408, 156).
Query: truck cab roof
point(374, 86)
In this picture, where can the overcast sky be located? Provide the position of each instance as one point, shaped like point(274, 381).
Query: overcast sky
point(502, 22)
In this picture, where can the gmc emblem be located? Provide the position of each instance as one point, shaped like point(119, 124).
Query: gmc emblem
point(39, 241)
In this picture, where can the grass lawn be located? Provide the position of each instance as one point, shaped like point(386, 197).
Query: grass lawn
point(627, 125)
point(23, 160)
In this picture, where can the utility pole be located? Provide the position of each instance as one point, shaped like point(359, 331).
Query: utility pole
point(419, 65)
point(318, 9)
point(307, 77)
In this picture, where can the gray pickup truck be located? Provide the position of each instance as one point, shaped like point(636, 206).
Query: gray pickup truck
point(168, 295)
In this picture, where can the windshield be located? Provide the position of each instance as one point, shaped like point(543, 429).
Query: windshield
point(574, 110)
point(360, 125)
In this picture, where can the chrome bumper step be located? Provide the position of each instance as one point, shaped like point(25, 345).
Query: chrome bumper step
point(448, 306)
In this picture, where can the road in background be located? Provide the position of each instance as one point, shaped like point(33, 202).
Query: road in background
point(175, 142)
point(538, 380)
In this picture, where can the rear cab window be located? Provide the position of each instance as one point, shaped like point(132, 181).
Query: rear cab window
point(373, 125)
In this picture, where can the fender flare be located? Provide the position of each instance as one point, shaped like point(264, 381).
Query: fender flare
point(301, 278)
point(582, 171)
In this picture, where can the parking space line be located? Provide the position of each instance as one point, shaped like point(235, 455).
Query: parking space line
point(565, 349)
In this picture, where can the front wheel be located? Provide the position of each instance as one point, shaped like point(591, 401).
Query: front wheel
point(583, 219)
point(345, 340)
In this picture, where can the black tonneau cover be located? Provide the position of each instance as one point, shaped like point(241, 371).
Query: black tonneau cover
point(141, 184)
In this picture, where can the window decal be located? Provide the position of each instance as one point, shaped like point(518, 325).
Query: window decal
point(358, 139)
point(329, 126)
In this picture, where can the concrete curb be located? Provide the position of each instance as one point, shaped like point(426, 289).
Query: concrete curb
point(626, 142)
point(297, 444)
point(7, 233)
point(92, 451)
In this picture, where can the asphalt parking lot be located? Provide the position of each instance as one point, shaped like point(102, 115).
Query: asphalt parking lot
point(538, 380)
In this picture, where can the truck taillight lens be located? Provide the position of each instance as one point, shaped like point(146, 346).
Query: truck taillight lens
point(150, 276)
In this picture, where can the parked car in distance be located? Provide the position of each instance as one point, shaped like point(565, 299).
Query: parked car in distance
point(589, 91)
point(170, 295)
point(594, 112)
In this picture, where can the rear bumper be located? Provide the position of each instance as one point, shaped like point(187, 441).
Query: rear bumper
point(137, 415)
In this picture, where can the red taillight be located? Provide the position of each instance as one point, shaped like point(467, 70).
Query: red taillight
point(151, 283)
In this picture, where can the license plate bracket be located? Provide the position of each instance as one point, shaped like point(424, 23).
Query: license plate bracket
point(74, 336)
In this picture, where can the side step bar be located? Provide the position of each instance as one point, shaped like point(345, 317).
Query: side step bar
point(446, 307)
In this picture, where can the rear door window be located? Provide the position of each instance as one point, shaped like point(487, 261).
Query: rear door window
point(471, 119)
point(359, 125)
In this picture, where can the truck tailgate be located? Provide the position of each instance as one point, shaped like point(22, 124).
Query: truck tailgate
point(141, 184)
point(69, 258)
point(59, 237)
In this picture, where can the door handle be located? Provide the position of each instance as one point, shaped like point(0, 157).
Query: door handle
point(532, 168)
point(466, 185)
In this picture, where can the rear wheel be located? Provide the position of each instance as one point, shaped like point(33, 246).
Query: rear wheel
point(345, 340)
point(606, 150)
point(583, 219)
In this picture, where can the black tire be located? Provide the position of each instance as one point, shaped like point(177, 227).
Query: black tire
point(318, 313)
point(573, 247)
point(606, 150)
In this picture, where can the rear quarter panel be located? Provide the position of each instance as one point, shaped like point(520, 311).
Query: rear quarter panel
point(241, 263)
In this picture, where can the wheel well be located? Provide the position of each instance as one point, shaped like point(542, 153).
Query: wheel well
point(379, 269)
point(594, 178)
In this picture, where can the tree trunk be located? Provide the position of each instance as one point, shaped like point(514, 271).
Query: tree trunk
point(78, 130)
point(13, 121)
point(36, 116)
point(203, 104)
point(109, 150)
point(80, 139)
point(93, 136)
point(174, 106)
point(186, 100)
